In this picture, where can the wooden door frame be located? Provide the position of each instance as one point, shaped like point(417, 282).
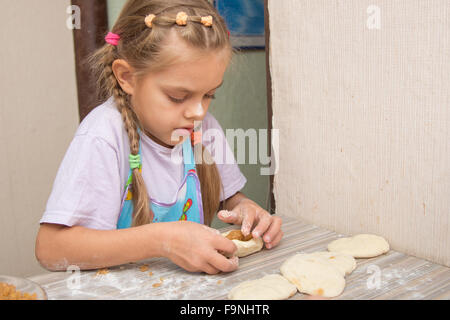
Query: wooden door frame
point(272, 206)
point(87, 39)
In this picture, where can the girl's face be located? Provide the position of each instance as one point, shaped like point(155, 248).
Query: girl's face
point(170, 100)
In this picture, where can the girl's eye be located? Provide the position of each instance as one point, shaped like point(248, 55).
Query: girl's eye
point(176, 100)
point(207, 96)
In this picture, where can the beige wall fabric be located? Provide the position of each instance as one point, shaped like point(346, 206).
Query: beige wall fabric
point(38, 117)
point(361, 96)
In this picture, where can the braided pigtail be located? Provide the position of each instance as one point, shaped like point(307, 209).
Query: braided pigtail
point(107, 86)
point(210, 182)
point(141, 210)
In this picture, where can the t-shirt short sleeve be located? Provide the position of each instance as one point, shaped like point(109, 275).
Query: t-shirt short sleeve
point(87, 189)
point(215, 142)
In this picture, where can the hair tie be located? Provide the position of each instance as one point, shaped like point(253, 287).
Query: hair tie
point(207, 21)
point(135, 161)
point(181, 18)
point(149, 20)
point(112, 38)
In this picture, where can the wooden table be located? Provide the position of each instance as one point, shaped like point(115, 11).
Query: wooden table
point(393, 275)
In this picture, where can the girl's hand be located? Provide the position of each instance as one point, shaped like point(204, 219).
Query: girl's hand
point(247, 213)
point(195, 248)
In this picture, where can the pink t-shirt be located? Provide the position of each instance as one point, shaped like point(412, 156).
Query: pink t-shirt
point(90, 182)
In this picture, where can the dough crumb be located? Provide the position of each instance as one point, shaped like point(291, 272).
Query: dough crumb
point(156, 285)
point(9, 292)
point(102, 271)
point(144, 268)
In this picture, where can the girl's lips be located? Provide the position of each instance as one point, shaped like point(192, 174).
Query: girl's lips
point(182, 131)
point(185, 131)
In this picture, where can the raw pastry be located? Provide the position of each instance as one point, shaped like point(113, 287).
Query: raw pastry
point(270, 287)
point(244, 247)
point(345, 263)
point(313, 275)
point(360, 246)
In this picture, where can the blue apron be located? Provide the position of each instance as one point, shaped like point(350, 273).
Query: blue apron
point(187, 206)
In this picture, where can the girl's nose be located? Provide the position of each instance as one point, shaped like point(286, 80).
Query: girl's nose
point(195, 111)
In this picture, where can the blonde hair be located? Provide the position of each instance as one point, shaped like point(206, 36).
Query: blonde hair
point(143, 48)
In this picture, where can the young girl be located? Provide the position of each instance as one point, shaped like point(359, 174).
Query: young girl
point(119, 196)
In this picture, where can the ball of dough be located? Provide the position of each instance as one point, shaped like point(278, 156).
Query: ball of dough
point(314, 276)
point(244, 248)
point(270, 287)
point(360, 246)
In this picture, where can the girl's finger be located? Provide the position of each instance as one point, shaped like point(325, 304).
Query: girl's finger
point(222, 263)
point(210, 269)
point(229, 217)
point(275, 241)
point(248, 219)
point(223, 244)
point(273, 231)
point(263, 224)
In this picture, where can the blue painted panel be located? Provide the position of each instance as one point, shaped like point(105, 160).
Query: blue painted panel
point(243, 17)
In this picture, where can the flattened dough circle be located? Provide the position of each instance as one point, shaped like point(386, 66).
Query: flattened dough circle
point(270, 287)
point(345, 263)
point(360, 246)
point(313, 275)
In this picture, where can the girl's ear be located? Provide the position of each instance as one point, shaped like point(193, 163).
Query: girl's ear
point(124, 75)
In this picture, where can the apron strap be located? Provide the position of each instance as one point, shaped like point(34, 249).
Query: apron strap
point(188, 156)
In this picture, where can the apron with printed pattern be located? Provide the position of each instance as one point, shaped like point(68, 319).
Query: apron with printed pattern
point(188, 203)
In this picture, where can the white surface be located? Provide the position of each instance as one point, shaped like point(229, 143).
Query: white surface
point(400, 276)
